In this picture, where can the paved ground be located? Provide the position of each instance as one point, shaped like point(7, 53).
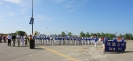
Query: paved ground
point(63, 53)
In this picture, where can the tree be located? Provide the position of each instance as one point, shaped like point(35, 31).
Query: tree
point(20, 33)
point(69, 34)
point(55, 34)
point(98, 34)
point(126, 36)
point(102, 34)
point(87, 34)
point(82, 34)
point(63, 34)
point(120, 35)
point(130, 36)
point(36, 33)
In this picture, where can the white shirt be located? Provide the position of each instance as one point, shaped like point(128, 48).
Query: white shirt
point(9, 37)
point(22, 38)
point(18, 36)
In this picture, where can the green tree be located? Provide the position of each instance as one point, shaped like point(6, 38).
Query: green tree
point(109, 36)
point(126, 36)
point(120, 35)
point(36, 33)
point(55, 34)
point(102, 34)
point(63, 34)
point(87, 34)
point(20, 32)
point(69, 34)
point(130, 36)
point(98, 34)
point(82, 34)
point(91, 34)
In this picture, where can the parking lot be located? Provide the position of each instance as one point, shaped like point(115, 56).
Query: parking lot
point(63, 53)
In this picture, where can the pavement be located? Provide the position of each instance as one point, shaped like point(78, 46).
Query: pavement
point(63, 53)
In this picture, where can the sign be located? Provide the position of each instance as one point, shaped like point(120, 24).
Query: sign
point(115, 46)
point(31, 20)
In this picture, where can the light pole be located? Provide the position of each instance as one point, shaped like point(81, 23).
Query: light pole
point(32, 19)
point(32, 41)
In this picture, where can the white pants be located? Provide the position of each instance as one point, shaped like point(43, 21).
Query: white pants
point(22, 42)
point(82, 42)
point(95, 44)
point(88, 42)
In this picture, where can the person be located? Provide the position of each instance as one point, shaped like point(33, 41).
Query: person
point(114, 39)
point(105, 39)
point(30, 38)
point(22, 40)
point(13, 39)
point(18, 39)
point(95, 40)
point(26, 40)
point(9, 37)
point(0, 39)
point(4, 38)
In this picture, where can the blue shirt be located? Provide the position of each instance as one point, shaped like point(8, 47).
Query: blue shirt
point(105, 39)
point(95, 39)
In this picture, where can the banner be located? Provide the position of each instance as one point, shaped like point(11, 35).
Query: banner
point(115, 46)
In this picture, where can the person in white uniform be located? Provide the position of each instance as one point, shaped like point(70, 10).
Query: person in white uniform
point(22, 40)
point(18, 39)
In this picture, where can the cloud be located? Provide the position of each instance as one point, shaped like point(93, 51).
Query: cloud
point(59, 1)
point(11, 13)
point(70, 4)
point(71, 10)
point(42, 18)
point(0, 3)
point(14, 1)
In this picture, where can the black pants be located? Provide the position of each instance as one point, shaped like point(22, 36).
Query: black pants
point(13, 41)
point(26, 42)
point(0, 40)
point(9, 42)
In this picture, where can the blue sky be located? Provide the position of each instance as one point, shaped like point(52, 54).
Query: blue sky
point(92, 16)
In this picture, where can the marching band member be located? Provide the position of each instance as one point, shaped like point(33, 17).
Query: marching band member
point(56, 38)
point(95, 40)
point(104, 41)
point(82, 40)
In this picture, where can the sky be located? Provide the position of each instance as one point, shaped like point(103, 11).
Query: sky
point(108, 16)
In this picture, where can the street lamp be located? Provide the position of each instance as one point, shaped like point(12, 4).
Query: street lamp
point(32, 19)
point(32, 41)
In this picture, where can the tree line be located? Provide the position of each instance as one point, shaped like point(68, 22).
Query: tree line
point(127, 36)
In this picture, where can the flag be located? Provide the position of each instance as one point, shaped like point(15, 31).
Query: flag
point(31, 20)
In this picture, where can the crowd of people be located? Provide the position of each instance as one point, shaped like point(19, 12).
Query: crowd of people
point(13, 39)
point(53, 40)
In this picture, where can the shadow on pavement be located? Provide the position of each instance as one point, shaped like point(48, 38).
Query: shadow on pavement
point(39, 49)
point(128, 52)
point(119, 52)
